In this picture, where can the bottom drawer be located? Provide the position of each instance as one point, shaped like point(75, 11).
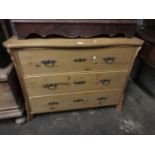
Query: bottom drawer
point(74, 101)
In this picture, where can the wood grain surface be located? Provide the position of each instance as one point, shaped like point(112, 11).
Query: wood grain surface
point(75, 101)
point(50, 61)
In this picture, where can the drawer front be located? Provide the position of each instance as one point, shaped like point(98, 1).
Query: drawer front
point(38, 86)
point(74, 101)
point(45, 61)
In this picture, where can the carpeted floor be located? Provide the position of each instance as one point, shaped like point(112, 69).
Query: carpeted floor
point(138, 117)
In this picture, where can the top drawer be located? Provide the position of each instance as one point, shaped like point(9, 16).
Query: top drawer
point(48, 60)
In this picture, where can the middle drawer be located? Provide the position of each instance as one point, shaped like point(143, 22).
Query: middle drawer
point(75, 82)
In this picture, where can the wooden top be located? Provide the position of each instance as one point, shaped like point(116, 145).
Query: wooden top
point(95, 21)
point(61, 42)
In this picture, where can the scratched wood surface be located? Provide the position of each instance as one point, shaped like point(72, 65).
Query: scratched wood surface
point(71, 56)
point(47, 85)
point(51, 61)
point(79, 100)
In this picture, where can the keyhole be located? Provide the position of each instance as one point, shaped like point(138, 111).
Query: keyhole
point(94, 57)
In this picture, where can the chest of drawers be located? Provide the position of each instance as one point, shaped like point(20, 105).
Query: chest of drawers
point(67, 74)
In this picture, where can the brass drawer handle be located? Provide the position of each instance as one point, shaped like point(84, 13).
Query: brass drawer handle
point(79, 82)
point(48, 63)
point(53, 103)
point(78, 100)
point(50, 86)
point(101, 98)
point(80, 60)
point(105, 81)
point(109, 60)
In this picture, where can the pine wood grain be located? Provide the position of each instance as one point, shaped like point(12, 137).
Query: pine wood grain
point(7, 101)
point(75, 101)
point(59, 42)
point(29, 54)
point(47, 85)
point(31, 60)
